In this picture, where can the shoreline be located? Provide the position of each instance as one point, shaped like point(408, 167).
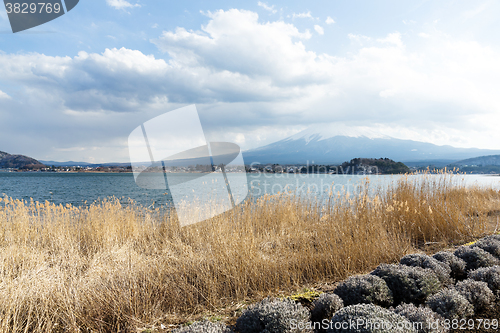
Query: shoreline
point(127, 266)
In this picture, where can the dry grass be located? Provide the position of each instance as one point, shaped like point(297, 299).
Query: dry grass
point(111, 268)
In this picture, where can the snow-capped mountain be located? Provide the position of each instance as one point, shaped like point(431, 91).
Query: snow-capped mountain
point(334, 144)
point(326, 131)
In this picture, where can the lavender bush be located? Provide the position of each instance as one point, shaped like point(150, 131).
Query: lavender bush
point(457, 265)
point(490, 275)
point(369, 318)
point(442, 270)
point(476, 257)
point(450, 304)
point(425, 320)
point(273, 316)
point(204, 327)
point(365, 289)
point(477, 293)
point(408, 284)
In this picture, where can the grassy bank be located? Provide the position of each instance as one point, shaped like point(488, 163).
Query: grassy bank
point(112, 268)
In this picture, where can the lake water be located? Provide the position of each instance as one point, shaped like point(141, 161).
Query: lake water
point(85, 188)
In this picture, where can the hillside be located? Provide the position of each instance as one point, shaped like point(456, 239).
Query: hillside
point(481, 164)
point(358, 166)
point(382, 166)
point(480, 161)
point(333, 144)
point(8, 161)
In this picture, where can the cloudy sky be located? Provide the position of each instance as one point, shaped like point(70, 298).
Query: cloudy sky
point(76, 87)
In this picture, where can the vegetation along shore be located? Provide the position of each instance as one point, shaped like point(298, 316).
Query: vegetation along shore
point(111, 268)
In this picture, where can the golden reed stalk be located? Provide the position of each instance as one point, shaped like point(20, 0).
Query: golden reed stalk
point(108, 267)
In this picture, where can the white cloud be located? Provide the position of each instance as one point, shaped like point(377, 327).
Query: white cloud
point(388, 93)
point(468, 14)
point(259, 81)
point(393, 38)
point(121, 4)
point(319, 29)
point(90, 81)
point(241, 48)
point(423, 35)
point(302, 15)
point(4, 95)
point(358, 38)
point(266, 7)
point(329, 20)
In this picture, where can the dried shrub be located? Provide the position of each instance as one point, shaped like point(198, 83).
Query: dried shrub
point(325, 306)
point(423, 318)
point(476, 257)
point(370, 318)
point(442, 271)
point(450, 304)
point(456, 264)
point(408, 284)
point(74, 267)
point(365, 289)
point(272, 315)
point(490, 275)
point(477, 293)
point(490, 244)
point(495, 237)
point(204, 327)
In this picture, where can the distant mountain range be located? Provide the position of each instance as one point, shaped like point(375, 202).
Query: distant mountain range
point(330, 145)
point(334, 144)
point(482, 164)
point(479, 161)
point(83, 164)
point(18, 161)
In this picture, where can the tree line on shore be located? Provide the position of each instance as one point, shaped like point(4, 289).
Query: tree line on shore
point(355, 166)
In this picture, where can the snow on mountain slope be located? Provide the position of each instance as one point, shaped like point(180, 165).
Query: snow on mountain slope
point(334, 144)
point(326, 131)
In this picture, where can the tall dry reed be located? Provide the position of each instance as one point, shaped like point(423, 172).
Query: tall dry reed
point(108, 267)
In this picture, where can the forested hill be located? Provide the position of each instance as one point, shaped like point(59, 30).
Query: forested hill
point(380, 165)
point(8, 161)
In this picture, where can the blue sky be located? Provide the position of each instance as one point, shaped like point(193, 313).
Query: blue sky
point(74, 88)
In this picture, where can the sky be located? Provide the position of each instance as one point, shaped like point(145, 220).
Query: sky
point(258, 71)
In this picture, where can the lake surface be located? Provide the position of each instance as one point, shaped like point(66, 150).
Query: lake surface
point(85, 188)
